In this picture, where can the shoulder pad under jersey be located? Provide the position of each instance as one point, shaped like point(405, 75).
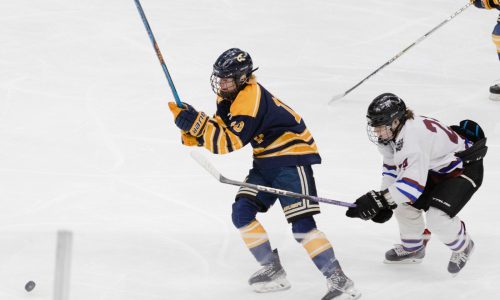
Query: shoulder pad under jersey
point(247, 102)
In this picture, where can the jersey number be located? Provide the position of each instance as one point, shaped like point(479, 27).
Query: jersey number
point(431, 125)
point(281, 104)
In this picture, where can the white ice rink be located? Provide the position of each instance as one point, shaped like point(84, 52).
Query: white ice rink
point(87, 142)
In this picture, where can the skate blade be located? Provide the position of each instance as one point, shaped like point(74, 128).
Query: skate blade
point(494, 97)
point(351, 295)
point(279, 284)
point(412, 261)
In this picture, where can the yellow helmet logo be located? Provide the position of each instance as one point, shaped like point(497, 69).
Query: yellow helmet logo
point(241, 57)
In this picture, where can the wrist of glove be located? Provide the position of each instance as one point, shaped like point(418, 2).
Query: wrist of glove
point(371, 204)
point(189, 119)
point(189, 140)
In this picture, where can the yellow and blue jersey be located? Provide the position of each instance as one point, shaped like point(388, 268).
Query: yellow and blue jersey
point(492, 4)
point(487, 4)
point(278, 135)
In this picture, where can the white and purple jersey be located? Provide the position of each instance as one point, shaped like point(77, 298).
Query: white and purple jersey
point(423, 145)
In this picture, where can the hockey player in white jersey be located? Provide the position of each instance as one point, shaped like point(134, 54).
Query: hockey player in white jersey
point(428, 168)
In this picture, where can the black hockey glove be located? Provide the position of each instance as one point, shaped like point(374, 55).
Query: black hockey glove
point(369, 205)
point(383, 216)
point(470, 130)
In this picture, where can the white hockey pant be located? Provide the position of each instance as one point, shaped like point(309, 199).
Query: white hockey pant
point(411, 225)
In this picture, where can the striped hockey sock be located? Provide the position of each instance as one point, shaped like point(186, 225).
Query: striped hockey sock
point(462, 240)
point(411, 245)
point(255, 237)
point(321, 252)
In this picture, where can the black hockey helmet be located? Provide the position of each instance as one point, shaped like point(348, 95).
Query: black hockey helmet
point(233, 64)
point(382, 111)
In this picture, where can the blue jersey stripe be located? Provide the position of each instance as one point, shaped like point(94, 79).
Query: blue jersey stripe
point(451, 166)
point(408, 195)
point(413, 185)
point(389, 167)
point(389, 174)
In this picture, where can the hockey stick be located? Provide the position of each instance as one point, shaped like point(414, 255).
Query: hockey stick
point(203, 161)
point(158, 53)
point(339, 96)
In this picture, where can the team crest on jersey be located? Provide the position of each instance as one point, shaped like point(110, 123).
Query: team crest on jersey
point(238, 127)
point(403, 165)
point(399, 145)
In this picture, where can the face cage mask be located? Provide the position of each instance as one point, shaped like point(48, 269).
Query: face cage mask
point(376, 139)
point(216, 82)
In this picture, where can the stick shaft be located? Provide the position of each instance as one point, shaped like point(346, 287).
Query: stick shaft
point(286, 193)
point(212, 170)
point(158, 53)
point(400, 53)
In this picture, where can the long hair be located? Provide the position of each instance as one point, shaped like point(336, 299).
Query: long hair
point(409, 115)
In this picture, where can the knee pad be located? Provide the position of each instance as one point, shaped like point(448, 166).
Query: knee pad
point(447, 229)
point(437, 219)
point(244, 212)
point(302, 226)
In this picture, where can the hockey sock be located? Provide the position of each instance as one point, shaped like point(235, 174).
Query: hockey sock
point(412, 245)
point(321, 252)
point(257, 241)
point(462, 240)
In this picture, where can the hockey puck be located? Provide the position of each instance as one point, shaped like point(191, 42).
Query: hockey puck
point(30, 285)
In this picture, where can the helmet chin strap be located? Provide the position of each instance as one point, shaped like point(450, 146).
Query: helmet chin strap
point(396, 130)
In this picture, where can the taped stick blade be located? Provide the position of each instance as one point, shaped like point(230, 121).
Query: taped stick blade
point(205, 163)
point(336, 97)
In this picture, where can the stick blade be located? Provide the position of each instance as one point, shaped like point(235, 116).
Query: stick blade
point(336, 97)
point(205, 163)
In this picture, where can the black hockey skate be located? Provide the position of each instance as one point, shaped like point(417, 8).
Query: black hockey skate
point(459, 259)
point(398, 255)
point(271, 278)
point(495, 92)
point(340, 287)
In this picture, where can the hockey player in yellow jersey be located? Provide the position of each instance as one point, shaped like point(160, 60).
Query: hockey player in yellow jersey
point(492, 4)
point(283, 152)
